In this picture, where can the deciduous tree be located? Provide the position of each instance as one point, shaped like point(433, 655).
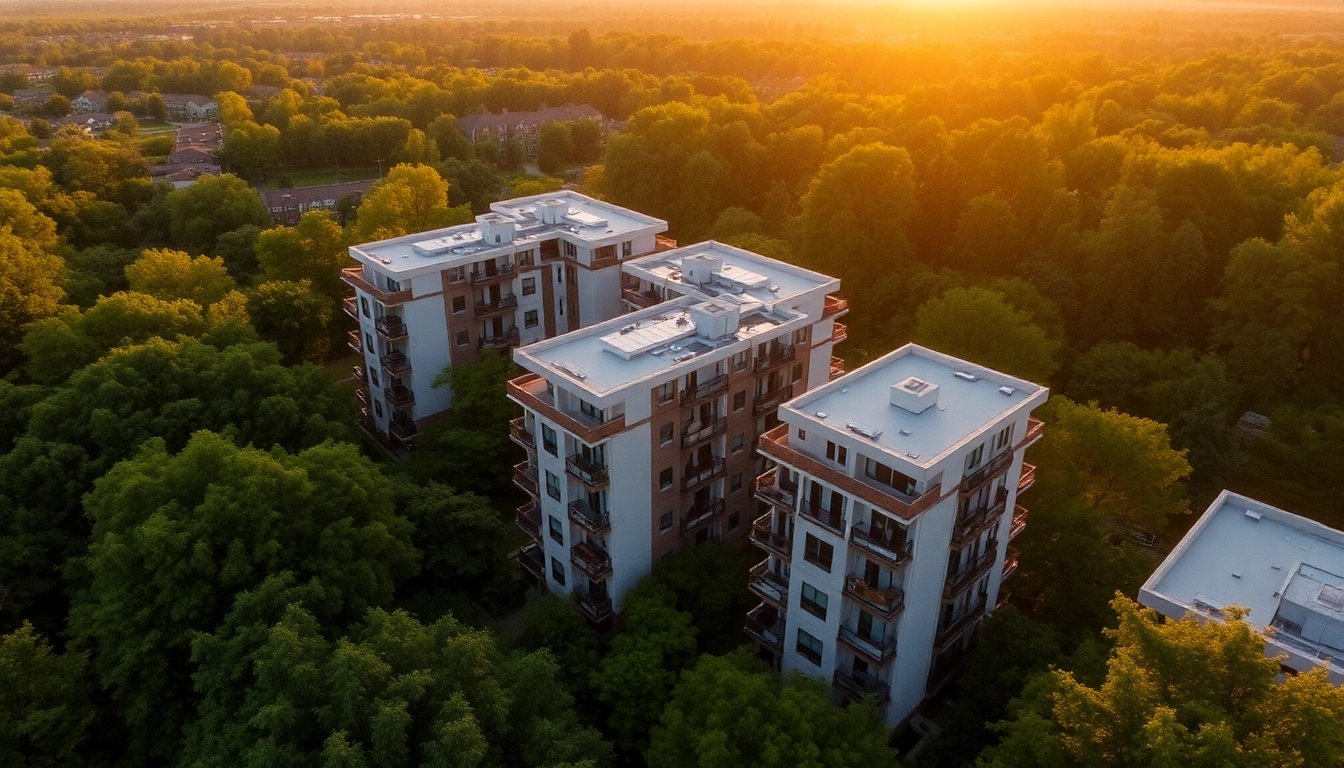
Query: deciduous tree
point(978, 324)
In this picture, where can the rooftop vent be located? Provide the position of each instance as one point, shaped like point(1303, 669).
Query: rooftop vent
point(1252, 514)
point(966, 376)
point(716, 318)
point(495, 229)
point(1006, 390)
point(552, 211)
point(862, 431)
point(570, 368)
point(914, 395)
point(1332, 597)
point(700, 268)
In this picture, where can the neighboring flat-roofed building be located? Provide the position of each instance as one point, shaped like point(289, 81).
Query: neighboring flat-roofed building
point(887, 520)
point(532, 268)
point(1286, 570)
point(641, 430)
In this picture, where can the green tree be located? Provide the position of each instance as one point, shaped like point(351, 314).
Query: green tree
point(44, 702)
point(201, 213)
point(979, 324)
point(470, 449)
point(988, 238)
point(708, 580)
point(556, 625)
point(293, 317)
point(30, 290)
point(171, 275)
point(555, 147)
point(412, 198)
point(177, 537)
point(250, 149)
point(315, 251)
point(734, 711)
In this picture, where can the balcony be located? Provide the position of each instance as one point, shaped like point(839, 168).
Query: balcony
point(594, 606)
point(491, 308)
point(833, 521)
point(969, 574)
point(834, 306)
point(591, 520)
point(888, 602)
point(700, 474)
point(971, 524)
point(856, 686)
point(362, 395)
point(400, 397)
point(533, 560)
point(357, 371)
point(973, 481)
point(1019, 522)
point(395, 364)
point(350, 307)
point(775, 489)
point(529, 390)
point(768, 586)
point(353, 341)
point(894, 551)
point(690, 437)
point(957, 627)
point(354, 277)
point(837, 367)
point(518, 433)
point(879, 652)
point(589, 471)
point(525, 477)
point(839, 332)
point(592, 560)
point(529, 519)
point(772, 399)
point(1010, 562)
point(778, 357)
point(714, 386)
point(700, 515)
point(1027, 479)
point(403, 432)
point(504, 340)
point(1035, 428)
point(764, 536)
point(390, 328)
point(488, 275)
point(639, 299)
point(765, 625)
point(1004, 598)
point(661, 243)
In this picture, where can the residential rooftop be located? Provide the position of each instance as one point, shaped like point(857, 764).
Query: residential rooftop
point(943, 401)
point(519, 221)
point(1278, 565)
point(710, 269)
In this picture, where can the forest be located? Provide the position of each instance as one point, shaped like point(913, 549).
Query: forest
point(205, 562)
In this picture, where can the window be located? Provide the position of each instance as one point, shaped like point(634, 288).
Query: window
point(734, 520)
point(627, 248)
point(463, 338)
point(813, 601)
point(368, 342)
point(665, 521)
point(1003, 439)
point(548, 439)
point(741, 359)
point(887, 476)
point(529, 286)
point(552, 485)
point(530, 318)
point(561, 305)
point(525, 259)
point(364, 306)
point(459, 305)
point(667, 391)
point(455, 274)
point(738, 442)
point(665, 479)
point(559, 270)
point(665, 433)
point(393, 285)
point(592, 412)
point(736, 483)
point(809, 647)
point(797, 372)
point(817, 552)
point(800, 336)
point(974, 458)
point(373, 377)
point(558, 571)
point(557, 530)
point(740, 400)
point(378, 408)
point(571, 251)
point(802, 434)
point(837, 453)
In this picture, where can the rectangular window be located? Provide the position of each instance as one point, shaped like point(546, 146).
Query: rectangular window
point(665, 479)
point(818, 552)
point(797, 372)
point(571, 251)
point(373, 377)
point(735, 484)
point(974, 458)
point(809, 647)
point(837, 453)
point(734, 520)
point(548, 440)
point(665, 433)
point(525, 259)
point(813, 601)
point(627, 248)
point(885, 475)
point(739, 442)
point(665, 521)
point(559, 270)
point(552, 485)
point(741, 359)
point(364, 306)
point(558, 571)
point(1003, 439)
point(393, 285)
point(378, 408)
point(368, 342)
point(592, 412)
point(459, 304)
point(529, 286)
point(530, 319)
point(557, 530)
point(561, 305)
point(463, 338)
point(455, 274)
point(800, 336)
point(740, 400)
point(667, 392)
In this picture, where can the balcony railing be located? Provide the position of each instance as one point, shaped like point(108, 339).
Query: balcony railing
point(503, 340)
point(765, 625)
point(1019, 522)
point(771, 588)
point(772, 399)
point(591, 520)
point(480, 277)
point(504, 304)
point(362, 394)
point(969, 574)
point(856, 686)
point(1035, 428)
point(774, 489)
point(357, 371)
point(957, 627)
point(592, 560)
point(972, 523)
point(661, 243)
point(354, 277)
point(519, 434)
point(1027, 479)
point(776, 358)
point(400, 397)
point(1010, 562)
point(690, 437)
point(395, 363)
point(698, 475)
point(594, 606)
point(525, 477)
point(533, 560)
point(390, 327)
point(839, 332)
point(529, 390)
point(529, 519)
point(705, 389)
point(639, 299)
point(831, 521)
point(350, 307)
point(887, 602)
point(589, 471)
point(837, 367)
point(833, 306)
point(701, 515)
point(353, 341)
point(982, 475)
point(1004, 597)
point(879, 652)
point(403, 432)
point(895, 551)
point(764, 536)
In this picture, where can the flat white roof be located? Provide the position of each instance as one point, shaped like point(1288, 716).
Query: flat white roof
point(964, 407)
point(1247, 553)
point(586, 220)
point(743, 273)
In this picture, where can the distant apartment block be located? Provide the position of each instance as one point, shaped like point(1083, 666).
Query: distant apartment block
point(532, 268)
point(1286, 570)
point(287, 206)
point(640, 430)
point(888, 513)
point(524, 126)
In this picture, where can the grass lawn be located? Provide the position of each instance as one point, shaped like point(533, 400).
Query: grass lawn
point(339, 369)
point(312, 177)
point(149, 125)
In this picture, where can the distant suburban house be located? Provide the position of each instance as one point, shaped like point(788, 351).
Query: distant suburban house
point(181, 175)
point(192, 156)
point(190, 106)
point(34, 74)
point(91, 122)
point(286, 206)
point(89, 101)
point(200, 135)
point(27, 97)
point(524, 126)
